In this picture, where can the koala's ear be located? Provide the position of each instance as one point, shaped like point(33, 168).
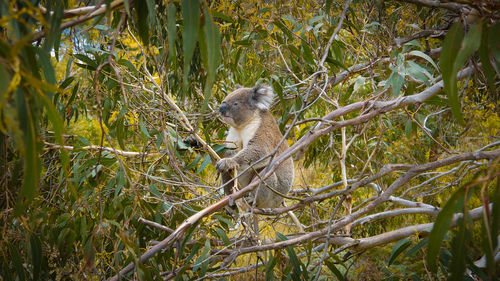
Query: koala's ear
point(262, 96)
point(238, 86)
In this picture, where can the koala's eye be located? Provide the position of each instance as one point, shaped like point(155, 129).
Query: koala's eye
point(235, 103)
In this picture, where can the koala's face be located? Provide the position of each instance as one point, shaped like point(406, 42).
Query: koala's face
point(242, 105)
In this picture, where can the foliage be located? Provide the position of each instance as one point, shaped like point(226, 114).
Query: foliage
point(97, 98)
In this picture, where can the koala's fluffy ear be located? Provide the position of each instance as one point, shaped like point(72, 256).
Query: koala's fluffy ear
point(238, 86)
point(262, 96)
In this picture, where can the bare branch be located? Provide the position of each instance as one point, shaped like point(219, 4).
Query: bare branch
point(102, 148)
point(437, 4)
point(91, 13)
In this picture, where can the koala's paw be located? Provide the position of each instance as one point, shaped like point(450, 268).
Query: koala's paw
point(225, 165)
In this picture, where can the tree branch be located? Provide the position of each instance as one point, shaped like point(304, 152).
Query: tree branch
point(102, 148)
point(92, 13)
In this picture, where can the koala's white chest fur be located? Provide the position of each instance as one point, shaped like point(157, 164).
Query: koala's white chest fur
point(241, 136)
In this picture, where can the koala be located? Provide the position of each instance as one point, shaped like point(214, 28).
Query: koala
point(253, 134)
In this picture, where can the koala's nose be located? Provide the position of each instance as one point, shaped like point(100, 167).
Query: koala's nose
point(223, 108)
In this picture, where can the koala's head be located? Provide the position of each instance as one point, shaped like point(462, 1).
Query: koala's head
point(242, 105)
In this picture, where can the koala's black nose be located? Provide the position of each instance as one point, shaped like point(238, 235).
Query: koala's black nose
point(223, 108)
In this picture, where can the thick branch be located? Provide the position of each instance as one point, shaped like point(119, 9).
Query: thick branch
point(421, 229)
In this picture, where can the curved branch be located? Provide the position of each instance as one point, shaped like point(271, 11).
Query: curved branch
point(92, 13)
point(421, 229)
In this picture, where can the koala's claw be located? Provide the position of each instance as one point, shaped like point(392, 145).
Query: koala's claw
point(225, 165)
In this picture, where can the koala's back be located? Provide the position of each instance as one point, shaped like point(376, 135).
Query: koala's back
point(267, 137)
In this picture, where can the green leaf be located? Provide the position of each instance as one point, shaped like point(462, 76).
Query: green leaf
point(54, 31)
point(152, 12)
point(127, 7)
point(202, 260)
point(398, 249)
point(470, 44)
point(424, 56)
point(222, 234)
point(171, 31)
point(36, 255)
point(4, 83)
point(221, 16)
point(67, 82)
point(458, 249)
point(484, 56)
point(155, 191)
point(212, 42)
point(334, 270)
point(142, 21)
point(84, 141)
point(48, 70)
point(494, 42)
point(408, 128)
point(295, 263)
point(17, 261)
point(281, 237)
point(128, 65)
point(58, 126)
point(190, 14)
point(224, 221)
point(144, 130)
point(455, 53)
point(31, 161)
point(358, 83)
point(194, 163)
point(416, 248)
point(441, 226)
point(269, 269)
point(206, 160)
point(451, 46)
point(418, 72)
point(88, 61)
point(397, 83)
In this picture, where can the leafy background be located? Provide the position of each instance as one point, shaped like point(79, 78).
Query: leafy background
point(139, 77)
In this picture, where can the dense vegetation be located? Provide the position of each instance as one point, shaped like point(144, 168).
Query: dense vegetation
point(391, 110)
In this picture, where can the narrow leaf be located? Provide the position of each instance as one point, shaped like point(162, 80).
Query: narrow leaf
point(201, 261)
point(424, 56)
point(190, 14)
point(36, 255)
point(398, 249)
point(334, 270)
point(212, 42)
point(441, 226)
point(458, 250)
point(152, 12)
point(451, 46)
point(416, 248)
point(142, 21)
point(269, 270)
point(206, 160)
point(484, 56)
point(171, 31)
point(222, 234)
point(32, 166)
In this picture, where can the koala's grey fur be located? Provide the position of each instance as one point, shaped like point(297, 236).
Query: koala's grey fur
point(255, 134)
